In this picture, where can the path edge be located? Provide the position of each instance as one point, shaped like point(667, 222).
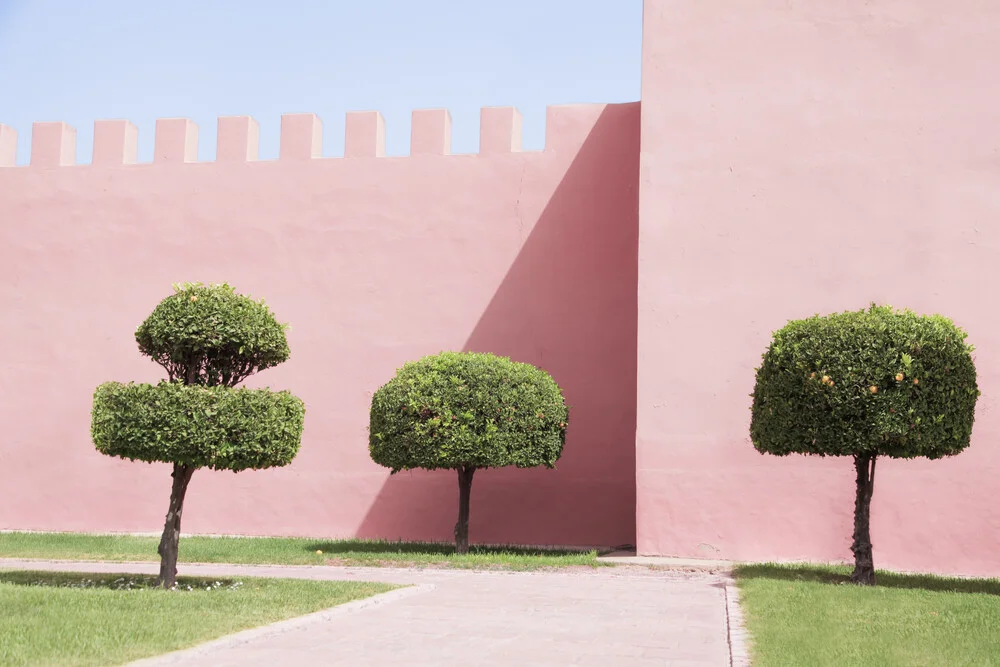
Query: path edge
point(736, 634)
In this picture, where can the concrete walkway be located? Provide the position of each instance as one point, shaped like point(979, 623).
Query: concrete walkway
point(609, 617)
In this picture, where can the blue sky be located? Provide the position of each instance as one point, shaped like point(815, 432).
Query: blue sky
point(77, 61)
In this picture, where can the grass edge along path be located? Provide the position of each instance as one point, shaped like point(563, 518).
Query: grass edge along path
point(287, 551)
point(80, 620)
point(810, 615)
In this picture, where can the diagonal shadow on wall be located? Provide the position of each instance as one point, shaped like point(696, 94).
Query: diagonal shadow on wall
point(567, 304)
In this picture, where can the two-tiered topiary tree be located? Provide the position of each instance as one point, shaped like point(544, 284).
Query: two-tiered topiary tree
point(866, 384)
point(464, 412)
point(208, 338)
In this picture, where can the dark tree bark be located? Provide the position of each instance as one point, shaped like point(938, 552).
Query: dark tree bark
point(864, 565)
point(464, 493)
point(172, 526)
point(191, 374)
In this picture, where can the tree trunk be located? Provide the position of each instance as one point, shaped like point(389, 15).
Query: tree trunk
point(464, 492)
point(864, 565)
point(172, 526)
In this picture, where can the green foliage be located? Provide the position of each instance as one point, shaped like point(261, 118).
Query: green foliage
point(210, 335)
point(215, 427)
point(467, 409)
point(876, 381)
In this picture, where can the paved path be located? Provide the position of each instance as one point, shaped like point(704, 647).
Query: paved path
point(615, 618)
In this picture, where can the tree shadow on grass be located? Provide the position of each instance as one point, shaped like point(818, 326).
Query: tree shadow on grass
point(428, 548)
point(107, 581)
point(840, 575)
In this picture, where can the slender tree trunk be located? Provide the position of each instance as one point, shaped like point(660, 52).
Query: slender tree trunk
point(464, 493)
point(172, 526)
point(864, 565)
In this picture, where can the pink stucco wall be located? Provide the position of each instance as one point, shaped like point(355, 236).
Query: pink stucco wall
point(373, 261)
point(803, 157)
point(795, 157)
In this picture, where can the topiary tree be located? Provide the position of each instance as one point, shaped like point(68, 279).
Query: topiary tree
point(208, 338)
point(464, 412)
point(865, 384)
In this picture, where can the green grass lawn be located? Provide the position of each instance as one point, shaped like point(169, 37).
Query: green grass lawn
point(284, 551)
point(808, 615)
point(109, 619)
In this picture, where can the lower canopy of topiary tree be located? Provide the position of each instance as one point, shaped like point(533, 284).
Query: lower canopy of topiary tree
point(194, 427)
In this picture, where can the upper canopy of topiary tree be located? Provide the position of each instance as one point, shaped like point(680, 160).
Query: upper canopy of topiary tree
point(210, 335)
point(467, 409)
point(879, 381)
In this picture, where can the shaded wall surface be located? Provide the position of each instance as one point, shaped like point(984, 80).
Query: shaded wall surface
point(373, 261)
point(804, 157)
